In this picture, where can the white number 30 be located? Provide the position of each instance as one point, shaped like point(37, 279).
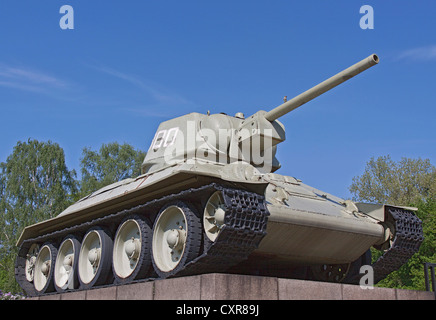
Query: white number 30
point(165, 138)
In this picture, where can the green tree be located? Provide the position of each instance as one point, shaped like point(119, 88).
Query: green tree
point(404, 182)
point(408, 182)
point(35, 185)
point(112, 163)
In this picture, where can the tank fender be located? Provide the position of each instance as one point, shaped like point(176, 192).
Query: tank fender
point(377, 211)
point(380, 212)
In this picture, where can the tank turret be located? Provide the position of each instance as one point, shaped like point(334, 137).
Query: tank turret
point(223, 139)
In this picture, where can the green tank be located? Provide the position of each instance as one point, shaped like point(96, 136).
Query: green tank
point(209, 200)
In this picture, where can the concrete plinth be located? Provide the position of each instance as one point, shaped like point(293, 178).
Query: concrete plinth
point(218, 286)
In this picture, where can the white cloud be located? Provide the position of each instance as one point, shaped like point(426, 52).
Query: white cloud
point(17, 85)
point(419, 54)
point(157, 93)
point(28, 80)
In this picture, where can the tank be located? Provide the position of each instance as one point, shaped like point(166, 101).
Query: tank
point(209, 200)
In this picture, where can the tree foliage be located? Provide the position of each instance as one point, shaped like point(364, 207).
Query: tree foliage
point(112, 163)
point(398, 183)
point(408, 182)
point(35, 185)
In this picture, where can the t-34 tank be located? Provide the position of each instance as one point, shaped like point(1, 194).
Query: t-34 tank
point(209, 201)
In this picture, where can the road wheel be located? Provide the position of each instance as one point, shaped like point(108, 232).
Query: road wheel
point(177, 237)
point(132, 250)
point(95, 258)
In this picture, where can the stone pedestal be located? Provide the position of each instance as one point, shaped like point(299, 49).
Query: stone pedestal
point(217, 286)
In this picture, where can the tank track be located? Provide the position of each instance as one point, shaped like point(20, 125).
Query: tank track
point(245, 226)
point(407, 240)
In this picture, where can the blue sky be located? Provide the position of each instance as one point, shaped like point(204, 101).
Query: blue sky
point(129, 65)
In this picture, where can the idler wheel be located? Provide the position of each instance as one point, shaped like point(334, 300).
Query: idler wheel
point(31, 256)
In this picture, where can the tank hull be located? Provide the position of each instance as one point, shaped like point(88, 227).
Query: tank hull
point(310, 238)
point(295, 224)
point(304, 207)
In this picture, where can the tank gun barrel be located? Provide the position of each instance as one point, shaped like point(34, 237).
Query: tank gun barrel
point(322, 88)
